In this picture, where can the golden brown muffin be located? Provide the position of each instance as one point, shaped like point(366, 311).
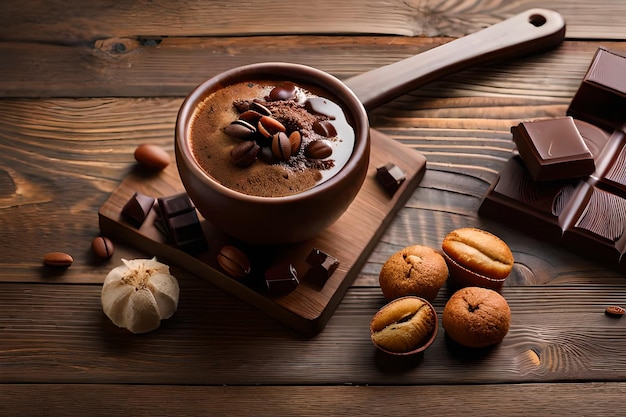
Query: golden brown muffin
point(476, 257)
point(415, 270)
point(405, 325)
point(476, 317)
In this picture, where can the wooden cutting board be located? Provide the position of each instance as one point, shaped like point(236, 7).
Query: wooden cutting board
point(350, 240)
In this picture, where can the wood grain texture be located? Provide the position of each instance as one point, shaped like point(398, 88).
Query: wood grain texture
point(76, 22)
point(558, 399)
point(176, 65)
point(83, 83)
point(58, 334)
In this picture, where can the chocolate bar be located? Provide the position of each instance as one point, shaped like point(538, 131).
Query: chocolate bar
point(181, 223)
point(553, 149)
point(586, 214)
point(601, 97)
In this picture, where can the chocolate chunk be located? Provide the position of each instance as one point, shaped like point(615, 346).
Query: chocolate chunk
point(322, 267)
point(281, 279)
point(181, 223)
point(587, 215)
point(137, 208)
point(390, 176)
point(601, 97)
point(553, 149)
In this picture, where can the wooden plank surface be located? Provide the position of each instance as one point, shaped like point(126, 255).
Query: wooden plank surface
point(58, 334)
point(83, 83)
point(588, 399)
point(149, 70)
point(78, 21)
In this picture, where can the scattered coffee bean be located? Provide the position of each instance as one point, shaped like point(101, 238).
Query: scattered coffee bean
point(245, 153)
point(318, 149)
point(615, 311)
point(233, 261)
point(390, 177)
point(295, 138)
point(58, 259)
point(240, 129)
point(259, 108)
point(251, 117)
point(268, 126)
point(281, 147)
point(324, 128)
point(102, 247)
point(152, 156)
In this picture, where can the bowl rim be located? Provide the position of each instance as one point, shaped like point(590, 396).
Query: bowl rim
point(279, 71)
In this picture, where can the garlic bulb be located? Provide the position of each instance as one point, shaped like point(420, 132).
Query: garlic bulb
point(139, 294)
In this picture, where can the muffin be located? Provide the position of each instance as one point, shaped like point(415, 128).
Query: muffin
point(415, 270)
point(476, 317)
point(405, 326)
point(476, 257)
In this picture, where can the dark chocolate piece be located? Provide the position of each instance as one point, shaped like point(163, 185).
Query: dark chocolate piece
point(553, 149)
point(137, 208)
point(390, 176)
point(587, 215)
point(601, 97)
point(322, 266)
point(181, 222)
point(281, 279)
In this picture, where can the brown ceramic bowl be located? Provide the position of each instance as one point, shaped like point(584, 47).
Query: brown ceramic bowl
point(274, 220)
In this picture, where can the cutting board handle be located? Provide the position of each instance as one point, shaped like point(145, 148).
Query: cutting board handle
point(532, 31)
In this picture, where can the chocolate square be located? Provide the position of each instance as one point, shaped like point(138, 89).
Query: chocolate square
point(601, 97)
point(553, 149)
point(181, 223)
point(391, 177)
point(322, 266)
point(281, 279)
point(137, 209)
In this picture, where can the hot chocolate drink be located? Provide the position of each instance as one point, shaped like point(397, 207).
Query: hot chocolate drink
point(270, 139)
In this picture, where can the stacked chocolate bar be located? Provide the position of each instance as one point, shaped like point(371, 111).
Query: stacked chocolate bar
point(567, 183)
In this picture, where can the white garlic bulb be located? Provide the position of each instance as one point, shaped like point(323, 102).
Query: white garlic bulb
point(139, 294)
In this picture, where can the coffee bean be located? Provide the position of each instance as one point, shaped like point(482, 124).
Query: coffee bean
point(281, 147)
point(318, 149)
point(324, 128)
point(268, 126)
point(615, 311)
point(152, 156)
point(233, 261)
point(251, 117)
point(245, 153)
point(240, 129)
point(295, 138)
point(59, 259)
point(102, 247)
point(285, 91)
point(259, 108)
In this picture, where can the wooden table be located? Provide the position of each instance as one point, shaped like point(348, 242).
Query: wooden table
point(83, 84)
